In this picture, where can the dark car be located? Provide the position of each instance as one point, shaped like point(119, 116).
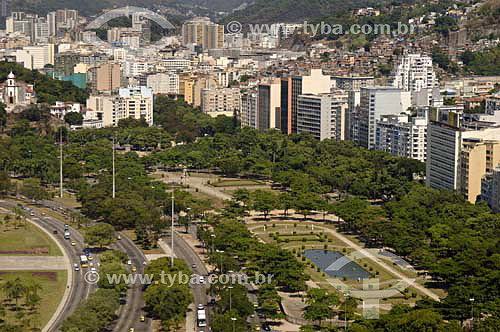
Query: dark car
point(266, 327)
point(54, 231)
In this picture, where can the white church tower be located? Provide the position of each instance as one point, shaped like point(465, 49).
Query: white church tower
point(11, 90)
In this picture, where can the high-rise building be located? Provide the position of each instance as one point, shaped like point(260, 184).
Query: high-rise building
point(478, 157)
point(322, 116)
point(108, 77)
point(415, 72)
point(352, 83)
point(294, 86)
point(131, 102)
point(403, 135)
point(249, 109)
point(375, 102)
point(5, 10)
point(460, 153)
point(203, 33)
point(490, 189)
point(164, 83)
point(220, 101)
point(268, 105)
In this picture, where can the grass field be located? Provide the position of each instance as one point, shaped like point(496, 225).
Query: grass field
point(295, 243)
point(53, 284)
point(26, 239)
point(68, 200)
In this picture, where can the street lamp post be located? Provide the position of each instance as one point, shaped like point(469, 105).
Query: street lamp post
point(234, 322)
point(472, 310)
point(114, 173)
point(60, 165)
point(346, 294)
point(230, 299)
point(220, 252)
point(172, 233)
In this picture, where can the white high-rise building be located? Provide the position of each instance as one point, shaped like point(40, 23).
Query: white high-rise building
point(415, 72)
point(131, 102)
point(403, 135)
point(374, 103)
point(322, 116)
point(164, 83)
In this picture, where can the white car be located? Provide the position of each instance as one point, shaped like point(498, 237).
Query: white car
point(202, 280)
point(200, 306)
point(77, 268)
point(93, 270)
point(129, 262)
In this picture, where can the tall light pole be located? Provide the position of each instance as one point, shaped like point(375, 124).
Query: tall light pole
point(172, 231)
point(472, 310)
point(234, 322)
point(114, 173)
point(60, 164)
point(220, 252)
point(230, 299)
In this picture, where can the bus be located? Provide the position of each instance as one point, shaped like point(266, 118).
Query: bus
point(84, 262)
point(202, 318)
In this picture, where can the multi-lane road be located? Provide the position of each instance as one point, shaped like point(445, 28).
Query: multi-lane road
point(185, 252)
point(80, 289)
point(131, 311)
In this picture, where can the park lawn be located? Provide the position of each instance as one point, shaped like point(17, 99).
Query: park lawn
point(53, 285)
point(25, 239)
point(68, 200)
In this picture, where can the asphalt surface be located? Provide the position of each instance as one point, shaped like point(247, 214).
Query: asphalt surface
point(184, 251)
point(80, 289)
point(131, 312)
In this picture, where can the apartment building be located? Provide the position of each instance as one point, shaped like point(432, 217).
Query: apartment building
point(478, 157)
point(352, 83)
point(36, 57)
point(186, 88)
point(415, 72)
point(108, 77)
point(490, 189)
point(374, 103)
point(248, 113)
point(322, 116)
point(131, 102)
point(459, 153)
point(220, 101)
point(203, 33)
point(164, 83)
point(269, 104)
point(294, 86)
point(403, 135)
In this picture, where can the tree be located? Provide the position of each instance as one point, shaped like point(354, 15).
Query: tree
point(3, 117)
point(5, 183)
point(319, 304)
point(264, 201)
point(286, 202)
point(168, 304)
point(100, 234)
point(14, 289)
point(74, 118)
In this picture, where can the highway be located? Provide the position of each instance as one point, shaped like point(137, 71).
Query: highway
point(183, 250)
point(80, 289)
point(131, 312)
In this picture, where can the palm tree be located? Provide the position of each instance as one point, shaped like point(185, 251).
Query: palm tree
point(19, 215)
point(31, 297)
point(14, 289)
